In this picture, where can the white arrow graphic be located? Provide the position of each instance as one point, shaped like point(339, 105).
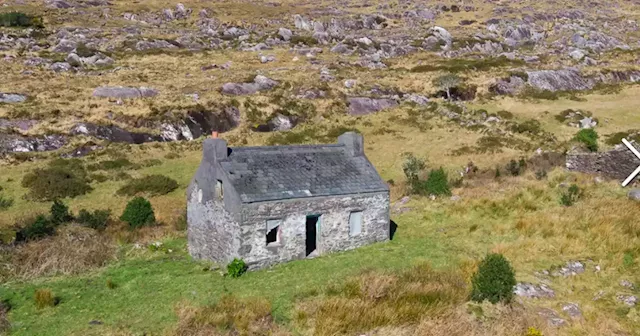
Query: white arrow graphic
point(635, 172)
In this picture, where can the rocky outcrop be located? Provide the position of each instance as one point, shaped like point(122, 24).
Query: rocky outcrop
point(113, 133)
point(15, 143)
point(199, 123)
point(122, 92)
point(362, 105)
point(559, 80)
point(260, 83)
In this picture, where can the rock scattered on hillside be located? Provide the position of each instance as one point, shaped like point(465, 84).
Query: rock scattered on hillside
point(11, 98)
point(530, 290)
point(362, 105)
point(629, 300)
point(260, 83)
point(122, 92)
point(573, 310)
point(634, 195)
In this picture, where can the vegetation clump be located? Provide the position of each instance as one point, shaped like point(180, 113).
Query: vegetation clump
point(138, 213)
point(494, 280)
point(152, 184)
point(62, 178)
point(437, 183)
point(589, 138)
point(412, 168)
point(5, 202)
point(571, 195)
point(60, 213)
point(97, 220)
point(237, 268)
point(44, 298)
point(18, 19)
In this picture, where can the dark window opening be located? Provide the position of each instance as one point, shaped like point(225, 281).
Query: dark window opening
point(272, 236)
point(219, 190)
point(311, 234)
point(273, 231)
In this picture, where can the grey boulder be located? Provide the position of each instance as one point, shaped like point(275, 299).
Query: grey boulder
point(260, 83)
point(362, 105)
point(10, 98)
point(122, 92)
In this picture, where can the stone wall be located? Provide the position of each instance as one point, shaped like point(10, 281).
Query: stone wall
point(212, 232)
point(615, 164)
point(334, 228)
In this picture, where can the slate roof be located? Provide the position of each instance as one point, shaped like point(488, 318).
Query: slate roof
point(287, 172)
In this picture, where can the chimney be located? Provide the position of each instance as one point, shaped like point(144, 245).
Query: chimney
point(214, 149)
point(353, 142)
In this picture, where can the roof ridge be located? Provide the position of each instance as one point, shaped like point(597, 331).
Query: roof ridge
point(281, 147)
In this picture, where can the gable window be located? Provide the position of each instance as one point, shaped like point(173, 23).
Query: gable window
point(219, 190)
point(355, 223)
point(273, 231)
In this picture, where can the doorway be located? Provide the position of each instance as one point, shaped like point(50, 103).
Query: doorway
point(311, 241)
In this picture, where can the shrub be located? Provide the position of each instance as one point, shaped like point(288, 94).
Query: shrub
point(531, 126)
point(97, 220)
point(516, 168)
point(412, 168)
point(151, 184)
point(447, 82)
point(44, 298)
point(494, 280)
point(589, 138)
point(437, 183)
point(37, 228)
point(541, 174)
point(236, 268)
point(569, 197)
point(17, 19)
point(60, 213)
point(62, 178)
point(138, 213)
point(74, 249)
point(5, 203)
point(306, 40)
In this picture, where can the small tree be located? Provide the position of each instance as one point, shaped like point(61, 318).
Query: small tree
point(447, 82)
point(138, 213)
point(437, 183)
point(494, 280)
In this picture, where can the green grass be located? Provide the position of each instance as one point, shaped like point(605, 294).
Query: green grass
point(149, 287)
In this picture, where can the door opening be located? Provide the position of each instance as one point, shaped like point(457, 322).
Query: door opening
point(311, 234)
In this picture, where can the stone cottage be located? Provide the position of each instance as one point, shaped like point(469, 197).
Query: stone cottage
point(268, 205)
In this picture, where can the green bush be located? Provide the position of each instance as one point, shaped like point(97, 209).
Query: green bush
point(569, 197)
point(494, 280)
point(588, 137)
point(151, 184)
point(97, 220)
point(437, 183)
point(5, 203)
point(60, 213)
point(34, 229)
point(236, 268)
point(17, 19)
point(138, 213)
point(62, 178)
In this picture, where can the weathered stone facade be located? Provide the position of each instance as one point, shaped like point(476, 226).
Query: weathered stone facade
point(335, 202)
point(614, 164)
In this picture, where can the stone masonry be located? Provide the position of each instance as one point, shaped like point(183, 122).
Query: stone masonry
point(614, 164)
